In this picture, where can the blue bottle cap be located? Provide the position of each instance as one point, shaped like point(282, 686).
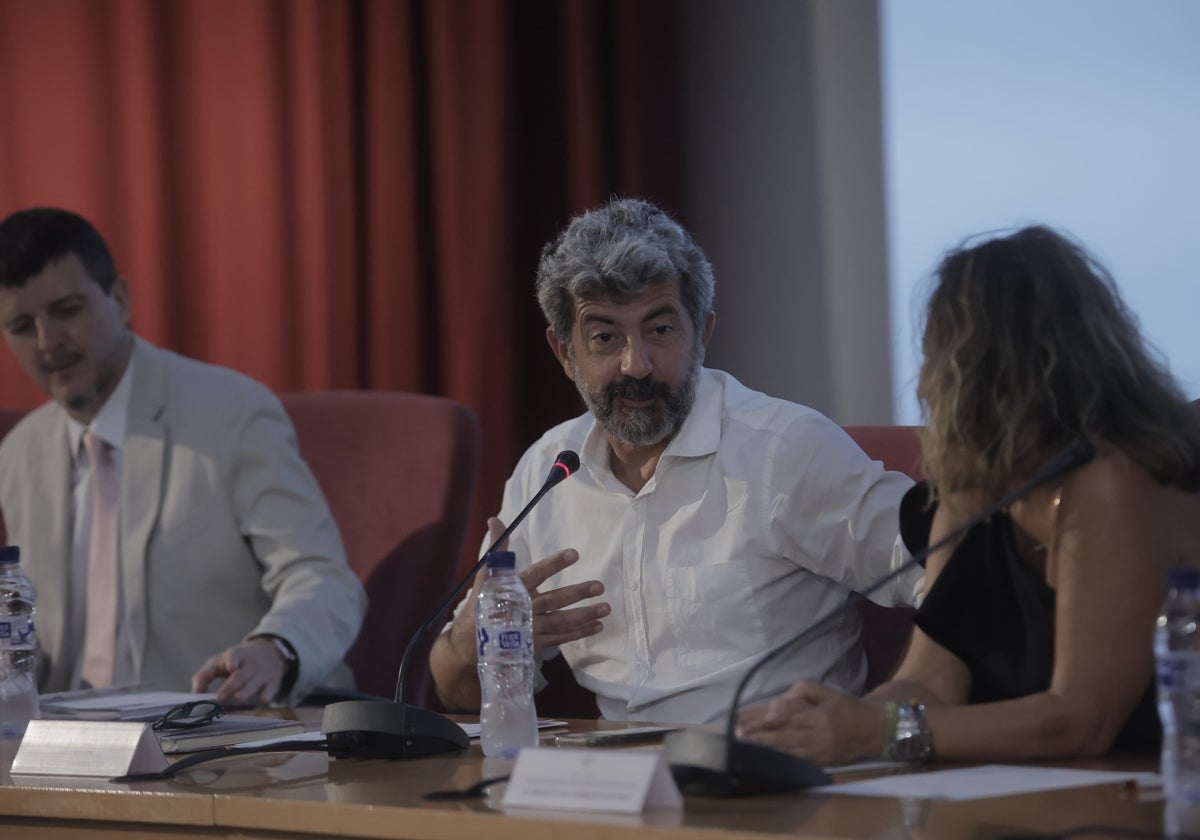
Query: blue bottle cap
point(502, 560)
point(10, 554)
point(1183, 577)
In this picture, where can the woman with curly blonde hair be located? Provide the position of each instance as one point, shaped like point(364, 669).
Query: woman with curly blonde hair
point(1034, 637)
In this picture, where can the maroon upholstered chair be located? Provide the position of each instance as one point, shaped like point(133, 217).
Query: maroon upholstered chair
point(898, 447)
point(886, 630)
point(398, 471)
point(8, 419)
point(563, 696)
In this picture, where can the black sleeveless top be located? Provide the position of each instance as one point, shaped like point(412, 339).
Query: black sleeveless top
point(993, 612)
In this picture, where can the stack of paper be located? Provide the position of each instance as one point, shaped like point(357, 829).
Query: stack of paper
point(231, 729)
point(114, 704)
point(472, 729)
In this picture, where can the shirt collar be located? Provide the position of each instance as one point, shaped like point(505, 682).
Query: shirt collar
point(700, 434)
point(110, 421)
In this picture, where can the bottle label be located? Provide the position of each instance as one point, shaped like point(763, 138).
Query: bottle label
point(1179, 671)
point(503, 639)
point(17, 633)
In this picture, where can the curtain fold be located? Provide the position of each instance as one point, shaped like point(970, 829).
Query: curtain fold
point(343, 193)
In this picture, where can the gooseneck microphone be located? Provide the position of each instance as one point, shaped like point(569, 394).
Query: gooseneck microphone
point(383, 729)
point(707, 763)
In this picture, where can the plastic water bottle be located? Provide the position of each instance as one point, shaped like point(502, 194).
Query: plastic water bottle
point(504, 629)
point(1177, 653)
point(18, 647)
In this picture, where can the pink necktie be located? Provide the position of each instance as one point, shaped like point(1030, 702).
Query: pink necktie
point(103, 573)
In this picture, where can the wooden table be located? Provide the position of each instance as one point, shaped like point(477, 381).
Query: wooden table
point(309, 795)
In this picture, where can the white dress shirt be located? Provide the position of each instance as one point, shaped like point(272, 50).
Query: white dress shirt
point(108, 425)
point(761, 516)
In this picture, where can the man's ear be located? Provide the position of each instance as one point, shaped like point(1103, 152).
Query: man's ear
point(562, 352)
point(709, 322)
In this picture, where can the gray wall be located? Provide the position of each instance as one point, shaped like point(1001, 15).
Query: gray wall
point(785, 194)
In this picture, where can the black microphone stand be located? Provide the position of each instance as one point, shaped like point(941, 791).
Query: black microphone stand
point(710, 763)
point(397, 729)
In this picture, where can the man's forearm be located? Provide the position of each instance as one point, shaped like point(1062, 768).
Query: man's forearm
point(454, 676)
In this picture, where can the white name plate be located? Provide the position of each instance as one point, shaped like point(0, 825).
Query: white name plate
point(88, 748)
point(612, 781)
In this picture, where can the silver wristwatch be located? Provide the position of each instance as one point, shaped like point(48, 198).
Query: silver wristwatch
point(911, 741)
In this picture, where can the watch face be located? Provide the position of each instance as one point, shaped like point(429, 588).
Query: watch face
point(907, 746)
point(911, 741)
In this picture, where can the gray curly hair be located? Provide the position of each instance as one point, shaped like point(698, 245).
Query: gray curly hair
point(615, 252)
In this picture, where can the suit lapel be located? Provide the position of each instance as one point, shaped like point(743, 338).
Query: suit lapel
point(141, 485)
point(50, 515)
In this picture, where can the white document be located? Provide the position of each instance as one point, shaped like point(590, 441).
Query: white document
point(304, 737)
point(472, 729)
point(982, 782)
point(612, 781)
point(88, 748)
point(118, 705)
point(864, 765)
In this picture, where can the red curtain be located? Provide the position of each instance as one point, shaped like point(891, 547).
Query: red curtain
point(343, 193)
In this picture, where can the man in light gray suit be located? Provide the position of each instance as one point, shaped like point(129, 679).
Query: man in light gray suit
point(228, 564)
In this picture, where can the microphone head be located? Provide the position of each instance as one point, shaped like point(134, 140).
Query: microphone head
point(565, 464)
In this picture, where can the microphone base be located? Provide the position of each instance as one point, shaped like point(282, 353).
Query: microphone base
point(709, 764)
point(382, 729)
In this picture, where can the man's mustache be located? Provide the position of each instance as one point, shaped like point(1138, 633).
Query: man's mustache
point(54, 363)
point(637, 390)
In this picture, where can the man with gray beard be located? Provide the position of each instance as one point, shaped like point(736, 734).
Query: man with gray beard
point(707, 523)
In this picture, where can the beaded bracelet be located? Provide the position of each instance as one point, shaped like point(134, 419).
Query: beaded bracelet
point(889, 729)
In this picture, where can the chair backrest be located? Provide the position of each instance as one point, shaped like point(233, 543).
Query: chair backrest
point(886, 630)
point(398, 471)
point(563, 696)
point(898, 447)
point(8, 419)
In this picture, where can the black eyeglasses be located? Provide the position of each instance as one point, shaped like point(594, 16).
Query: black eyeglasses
point(189, 715)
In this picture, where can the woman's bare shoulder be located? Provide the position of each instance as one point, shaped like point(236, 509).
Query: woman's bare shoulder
point(1113, 489)
point(1114, 475)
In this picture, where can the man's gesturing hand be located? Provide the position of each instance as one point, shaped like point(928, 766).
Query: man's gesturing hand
point(555, 620)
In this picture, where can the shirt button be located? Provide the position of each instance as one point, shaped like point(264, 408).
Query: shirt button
point(633, 587)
